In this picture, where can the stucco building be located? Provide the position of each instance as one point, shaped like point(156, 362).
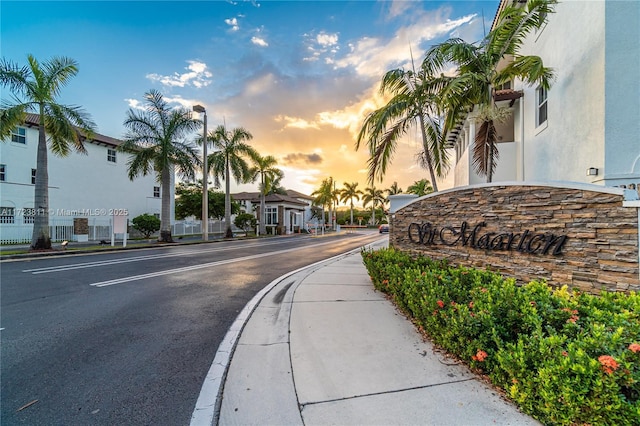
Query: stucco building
point(284, 214)
point(586, 128)
point(87, 186)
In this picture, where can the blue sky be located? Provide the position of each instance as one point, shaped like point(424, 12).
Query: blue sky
point(299, 75)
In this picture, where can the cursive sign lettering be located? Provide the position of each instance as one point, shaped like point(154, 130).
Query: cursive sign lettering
point(525, 242)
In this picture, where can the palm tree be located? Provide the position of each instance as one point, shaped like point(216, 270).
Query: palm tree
point(274, 186)
point(264, 168)
point(349, 192)
point(479, 70)
point(324, 195)
point(35, 88)
point(375, 197)
point(394, 189)
point(420, 187)
point(413, 100)
point(230, 161)
point(155, 140)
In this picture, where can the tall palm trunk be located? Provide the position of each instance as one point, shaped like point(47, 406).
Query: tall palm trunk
point(331, 215)
point(352, 212)
point(40, 239)
point(227, 200)
point(427, 154)
point(165, 216)
point(263, 225)
point(373, 214)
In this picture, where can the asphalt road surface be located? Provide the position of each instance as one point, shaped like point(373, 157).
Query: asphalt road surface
point(126, 338)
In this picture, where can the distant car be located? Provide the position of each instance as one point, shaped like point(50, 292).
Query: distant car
point(383, 228)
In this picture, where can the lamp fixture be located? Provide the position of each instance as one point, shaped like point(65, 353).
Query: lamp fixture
point(592, 171)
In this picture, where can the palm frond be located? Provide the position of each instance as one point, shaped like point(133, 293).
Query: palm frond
point(529, 69)
point(515, 23)
point(485, 154)
point(10, 117)
point(13, 76)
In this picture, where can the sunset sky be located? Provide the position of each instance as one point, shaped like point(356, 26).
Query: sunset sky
point(299, 75)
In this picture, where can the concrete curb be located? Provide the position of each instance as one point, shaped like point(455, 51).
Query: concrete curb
point(207, 409)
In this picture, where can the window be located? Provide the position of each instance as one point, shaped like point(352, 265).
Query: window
point(3, 172)
point(156, 192)
point(33, 176)
point(504, 86)
point(541, 110)
point(19, 135)
point(271, 215)
point(7, 215)
point(29, 215)
point(111, 155)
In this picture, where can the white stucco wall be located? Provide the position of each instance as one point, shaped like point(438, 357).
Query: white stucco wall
point(506, 167)
point(76, 182)
point(622, 95)
point(593, 104)
point(571, 140)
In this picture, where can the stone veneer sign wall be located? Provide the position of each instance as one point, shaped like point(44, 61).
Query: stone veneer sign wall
point(585, 236)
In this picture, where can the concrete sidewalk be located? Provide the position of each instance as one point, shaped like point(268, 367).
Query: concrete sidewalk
point(323, 347)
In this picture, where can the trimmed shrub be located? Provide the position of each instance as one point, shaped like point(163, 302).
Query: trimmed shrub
point(564, 357)
point(147, 224)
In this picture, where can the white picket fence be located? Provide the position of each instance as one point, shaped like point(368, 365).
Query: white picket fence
point(99, 229)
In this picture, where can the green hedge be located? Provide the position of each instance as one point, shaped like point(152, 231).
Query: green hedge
point(566, 358)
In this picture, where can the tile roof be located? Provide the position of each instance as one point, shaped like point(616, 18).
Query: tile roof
point(33, 120)
point(296, 194)
point(254, 197)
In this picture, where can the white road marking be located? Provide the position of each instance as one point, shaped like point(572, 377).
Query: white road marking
point(71, 267)
point(201, 266)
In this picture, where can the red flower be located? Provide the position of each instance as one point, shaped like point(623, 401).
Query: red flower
point(565, 353)
point(440, 303)
point(471, 305)
point(480, 356)
point(608, 363)
point(573, 319)
point(634, 347)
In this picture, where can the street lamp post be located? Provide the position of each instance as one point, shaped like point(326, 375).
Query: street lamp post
point(205, 177)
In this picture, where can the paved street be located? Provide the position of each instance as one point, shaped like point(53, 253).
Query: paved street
point(128, 337)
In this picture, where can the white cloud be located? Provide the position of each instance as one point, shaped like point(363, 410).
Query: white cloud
point(185, 103)
point(397, 8)
point(233, 23)
point(197, 75)
point(134, 104)
point(320, 44)
point(259, 41)
point(295, 122)
point(326, 40)
point(371, 57)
